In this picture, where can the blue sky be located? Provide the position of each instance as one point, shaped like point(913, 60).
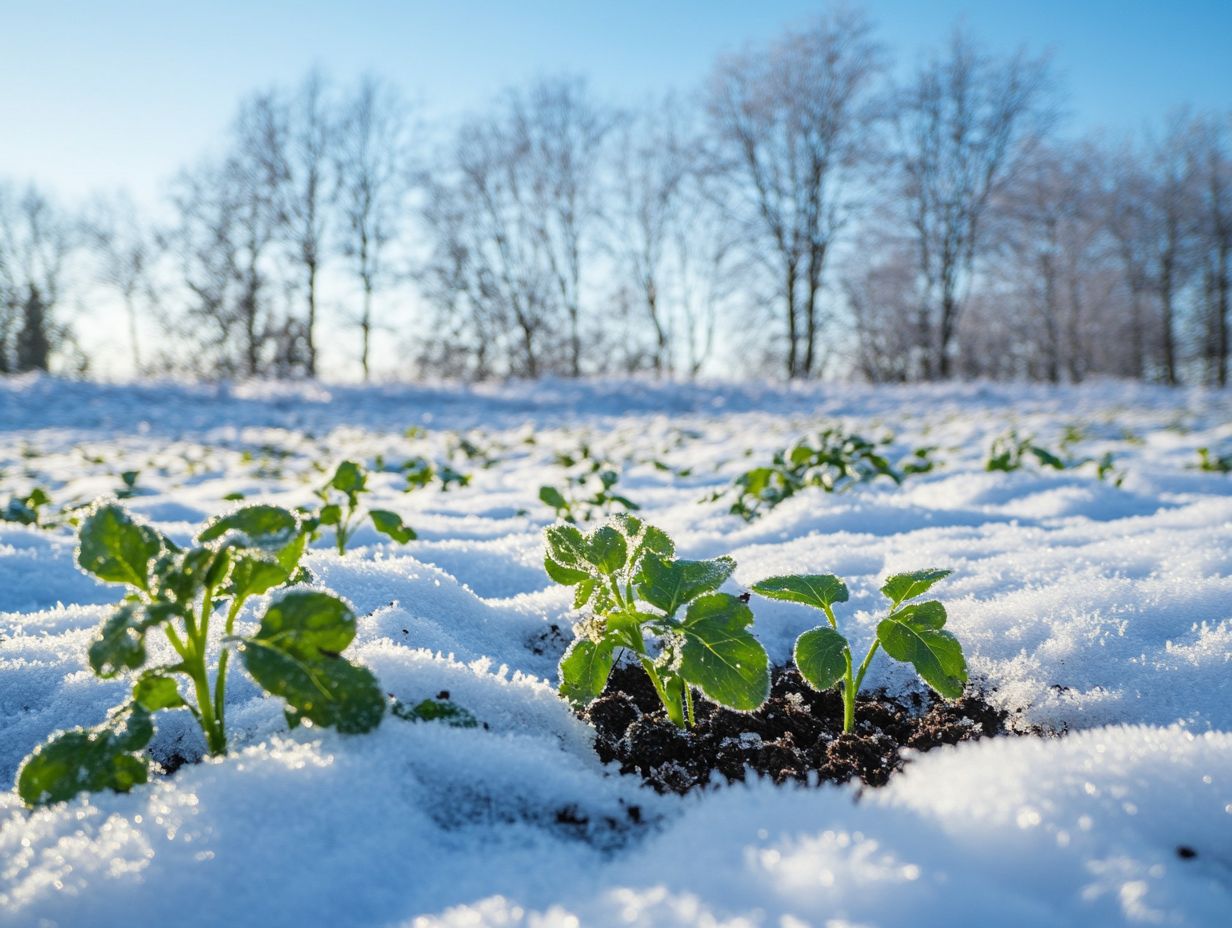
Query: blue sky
point(104, 94)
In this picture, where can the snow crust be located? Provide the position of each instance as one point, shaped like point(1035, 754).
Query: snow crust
point(1099, 610)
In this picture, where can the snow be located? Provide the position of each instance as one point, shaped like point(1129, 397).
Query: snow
point(1099, 610)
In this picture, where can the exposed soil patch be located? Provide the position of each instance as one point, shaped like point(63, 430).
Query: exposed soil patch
point(797, 734)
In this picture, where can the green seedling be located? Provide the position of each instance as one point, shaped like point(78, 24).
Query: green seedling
point(420, 472)
point(912, 632)
point(128, 484)
point(340, 508)
point(664, 610)
point(1213, 463)
point(833, 460)
point(589, 495)
point(27, 510)
point(186, 594)
point(1009, 452)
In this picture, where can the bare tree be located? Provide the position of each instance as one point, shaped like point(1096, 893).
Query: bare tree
point(1211, 167)
point(962, 129)
point(511, 218)
point(309, 191)
point(36, 239)
point(654, 162)
point(789, 122)
point(487, 274)
point(373, 174)
point(125, 254)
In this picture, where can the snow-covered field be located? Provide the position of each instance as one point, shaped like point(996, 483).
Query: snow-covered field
point(1101, 610)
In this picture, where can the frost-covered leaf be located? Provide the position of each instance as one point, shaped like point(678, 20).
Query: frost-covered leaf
point(88, 760)
point(268, 528)
point(296, 655)
point(668, 585)
point(817, 590)
point(584, 670)
point(329, 691)
point(120, 642)
point(606, 549)
point(567, 576)
point(115, 548)
point(565, 545)
point(308, 624)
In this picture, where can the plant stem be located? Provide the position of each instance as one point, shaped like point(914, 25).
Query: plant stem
point(220, 683)
point(688, 704)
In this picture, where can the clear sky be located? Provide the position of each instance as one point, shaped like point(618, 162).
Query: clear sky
point(100, 94)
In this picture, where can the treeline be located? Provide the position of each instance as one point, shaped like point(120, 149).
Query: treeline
point(800, 212)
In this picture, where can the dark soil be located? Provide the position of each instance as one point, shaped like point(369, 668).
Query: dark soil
point(796, 735)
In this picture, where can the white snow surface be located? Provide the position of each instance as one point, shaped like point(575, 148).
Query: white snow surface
point(1101, 611)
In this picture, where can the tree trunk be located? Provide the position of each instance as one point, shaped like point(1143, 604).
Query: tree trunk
point(365, 327)
point(310, 361)
point(792, 335)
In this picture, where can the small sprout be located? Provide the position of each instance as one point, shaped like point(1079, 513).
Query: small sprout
point(1010, 451)
point(180, 593)
point(626, 574)
point(588, 492)
point(833, 460)
point(340, 509)
point(1212, 462)
point(912, 632)
point(27, 510)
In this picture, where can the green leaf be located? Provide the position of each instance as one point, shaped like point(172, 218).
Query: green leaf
point(349, 478)
point(929, 614)
point(581, 596)
point(568, 576)
point(330, 514)
point(720, 656)
point(822, 657)
point(435, 710)
point(817, 590)
point(182, 575)
point(553, 498)
point(87, 760)
point(252, 576)
point(267, 528)
point(120, 644)
point(902, 587)
point(606, 549)
point(154, 691)
point(308, 624)
point(668, 585)
point(327, 690)
point(936, 654)
point(624, 629)
point(115, 548)
point(584, 670)
point(295, 655)
point(566, 545)
point(390, 523)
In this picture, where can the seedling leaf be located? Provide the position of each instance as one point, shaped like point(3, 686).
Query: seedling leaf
point(668, 585)
point(817, 590)
point(720, 656)
point(902, 587)
point(822, 655)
